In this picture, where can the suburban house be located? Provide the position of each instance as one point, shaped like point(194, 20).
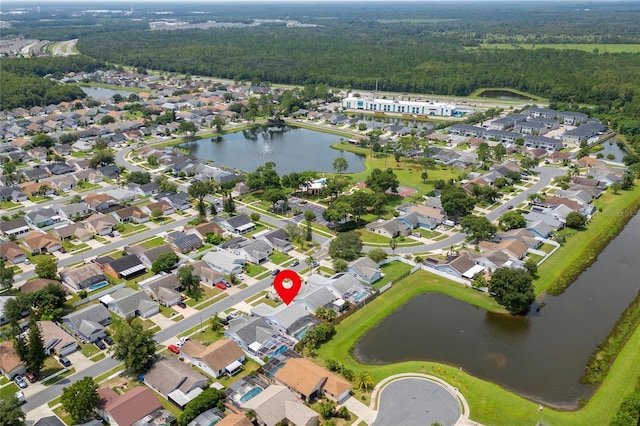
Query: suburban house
point(11, 252)
point(539, 228)
point(72, 211)
point(292, 319)
point(311, 381)
point(240, 224)
point(222, 357)
point(83, 277)
point(203, 229)
point(147, 257)
point(73, 231)
point(12, 193)
point(175, 380)
point(16, 227)
point(277, 404)
point(10, 364)
point(55, 421)
point(129, 303)
point(126, 267)
point(100, 224)
point(131, 214)
point(313, 298)
point(206, 273)
point(164, 206)
point(88, 324)
point(101, 202)
point(365, 269)
point(42, 217)
point(56, 340)
point(144, 190)
point(340, 284)
point(461, 266)
point(513, 248)
point(254, 251)
point(520, 234)
point(39, 284)
point(416, 220)
point(41, 243)
point(224, 262)
point(233, 419)
point(179, 201)
point(255, 336)
point(183, 243)
point(128, 408)
point(163, 288)
point(278, 239)
point(391, 228)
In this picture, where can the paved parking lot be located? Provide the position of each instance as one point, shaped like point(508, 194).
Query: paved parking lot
point(295, 203)
point(415, 401)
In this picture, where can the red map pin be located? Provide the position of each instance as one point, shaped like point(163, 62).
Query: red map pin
point(289, 291)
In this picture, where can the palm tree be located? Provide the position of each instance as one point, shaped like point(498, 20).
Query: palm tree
point(363, 380)
point(393, 243)
point(310, 261)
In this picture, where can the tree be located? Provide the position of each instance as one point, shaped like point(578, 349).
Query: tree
point(499, 151)
point(134, 346)
point(511, 220)
point(198, 191)
point(107, 119)
point(101, 158)
point(165, 262)
point(6, 276)
point(141, 178)
point(309, 216)
point(274, 196)
point(531, 266)
point(310, 261)
point(381, 181)
point(340, 165)
point(377, 255)
point(216, 323)
point(480, 228)
point(393, 243)
point(206, 400)
point(456, 202)
point(424, 176)
point(264, 177)
point(44, 140)
point(483, 152)
point(156, 213)
point(187, 127)
point(513, 289)
point(187, 280)
point(80, 399)
point(576, 220)
point(255, 217)
point(340, 265)
point(627, 181)
point(363, 380)
point(47, 267)
point(346, 245)
point(10, 412)
point(327, 409)
point(36, 354)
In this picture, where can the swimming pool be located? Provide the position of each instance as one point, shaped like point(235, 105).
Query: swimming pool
point(250, 394)
point(96, 286)
point(360, 295)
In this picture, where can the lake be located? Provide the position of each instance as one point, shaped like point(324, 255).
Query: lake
point(541, 355)
point(503, 94)
point(292, 149)
point(103, 92)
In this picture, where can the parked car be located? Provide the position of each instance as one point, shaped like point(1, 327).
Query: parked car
point(226, 283)
point(295, 263)
point(315, 264)
point(184, 339)
point(275, 272)
point(181, 305)
point(174, 349)
point(31, 377)
point(20, 381)
point(63, 250)
point(221, 286)
point(108, 340)
point(27, 262)
point(510, 207)
point(20, 397)
point(64, 361)
point(100, 344)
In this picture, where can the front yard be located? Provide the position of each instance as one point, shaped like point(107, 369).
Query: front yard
point(253, 270)
point(392, 271)
point(279, 258)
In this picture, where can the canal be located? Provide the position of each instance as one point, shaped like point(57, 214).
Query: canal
point(541, 355)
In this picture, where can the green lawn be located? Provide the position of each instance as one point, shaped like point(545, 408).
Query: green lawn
point(153, 242)
point(206, 293)
point(535, 257)
point(132, 228)
point(86, 186)
point(256, 297)
point(547, 248)
point(279, 258)
point(9, 205)
point(88, 349)
point(66, 418)
point(59, 377)
point(71, 247)
point(254, 270)
point(211, 301)
point(391, 273)
point(585, 47)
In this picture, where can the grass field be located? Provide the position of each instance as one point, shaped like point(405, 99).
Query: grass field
point(586, 47)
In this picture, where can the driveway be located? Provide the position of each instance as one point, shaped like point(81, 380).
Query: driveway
point(416, 401)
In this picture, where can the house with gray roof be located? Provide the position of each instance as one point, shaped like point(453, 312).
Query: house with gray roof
point(255, 336)
point(184, 243)
point(89, 323)
point(74, 210)
point(206, 273)
point(239, 224)
point(40, 218)
point(148, 256)
point(83, 277)
point(255, 251)
point(164, 288)
point(365, 270)
point(16, 227)
point(312, 298)
point(339, 284)
point(391, 228)
point(292, 319)
point(179, 201)
point(278, 239)
point(129, 303)
point(585, 132)
point(551, 145)
point(224, 262)
point(175, 380)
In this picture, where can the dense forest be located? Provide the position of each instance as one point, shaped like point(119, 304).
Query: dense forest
point(26, 82)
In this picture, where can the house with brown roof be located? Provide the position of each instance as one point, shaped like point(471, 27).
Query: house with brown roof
point(164, 206)
point(311, 381)
point(73, 231)
point(131, 214)
point(164, 289)
point(82, 277)
point(10, 364)
point(11, 251)
point(56, 340)
point(235, 419)
point(40, 243)
point(206, 273)
point(277, 405)
point(461, 266)
point(38, 284)
point(128, 408)
point(513, 248)
point(222, 357)
point(100, 224)
point(203, 229)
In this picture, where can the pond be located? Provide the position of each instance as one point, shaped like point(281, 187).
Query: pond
point(292, 149)
point(541, 355)
point(103, 92)
point(611, 147)
point(503, 94)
